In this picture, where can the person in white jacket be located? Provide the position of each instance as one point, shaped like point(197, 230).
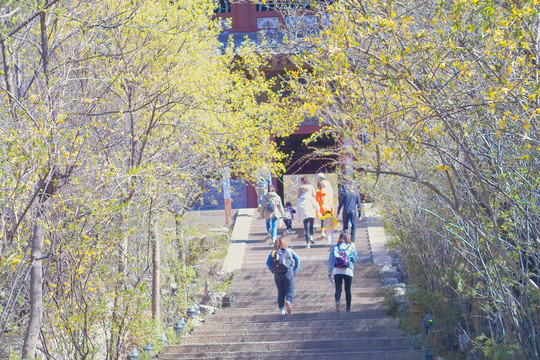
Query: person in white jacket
point(307, 210)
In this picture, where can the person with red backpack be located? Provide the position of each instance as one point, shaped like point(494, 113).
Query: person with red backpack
point(340, 265)
point(283, 263)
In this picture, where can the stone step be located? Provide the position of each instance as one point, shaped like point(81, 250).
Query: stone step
point(332, 354)
point(302, 280)
point(257, 262)
point(297, 324)
point(315, 292)
point(271, 308)
point(316, 253)
point(306, 269)
point(301, 245)
point(281, 345)
point(288, 334)
point(320, 287)
point(354, 315)
point(262, 276)
point(302, 301)
point(261, 272)
point(301, 298)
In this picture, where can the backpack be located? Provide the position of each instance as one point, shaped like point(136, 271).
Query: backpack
point(282, 261)
point(341, 258)
point(329, 221)
point(270, 206)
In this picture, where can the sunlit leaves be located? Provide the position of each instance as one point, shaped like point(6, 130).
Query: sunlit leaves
point(448, 94)
point(141, 105)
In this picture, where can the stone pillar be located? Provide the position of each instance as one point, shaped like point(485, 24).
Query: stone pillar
point(227, 196)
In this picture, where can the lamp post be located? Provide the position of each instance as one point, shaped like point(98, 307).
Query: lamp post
point(147, 350)
point(179, 327)
point(427, 321)
point(193, 311)
point(134, 355)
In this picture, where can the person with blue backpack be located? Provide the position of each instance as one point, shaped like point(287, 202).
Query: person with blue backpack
point(283, 263)
point(340, 264)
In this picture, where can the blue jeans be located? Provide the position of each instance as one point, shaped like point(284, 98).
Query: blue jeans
point(271, 227)
point(285, 287)
point(308, 228)
point(353, 219)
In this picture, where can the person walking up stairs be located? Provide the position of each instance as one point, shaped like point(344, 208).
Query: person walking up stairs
point(283, 264)
point(314, 330)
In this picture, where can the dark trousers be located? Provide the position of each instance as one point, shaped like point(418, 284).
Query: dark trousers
point(285, 287)
point(350, 217)
point(338, 280)
point(288, 224)
point(308, 228)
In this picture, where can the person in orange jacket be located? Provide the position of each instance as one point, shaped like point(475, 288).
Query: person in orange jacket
point(326, 209)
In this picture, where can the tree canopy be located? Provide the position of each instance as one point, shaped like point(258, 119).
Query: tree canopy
point(113, 114)
point(437, 103)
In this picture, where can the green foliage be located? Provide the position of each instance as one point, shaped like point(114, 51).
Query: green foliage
point(389, 294)
point(114, 119)
point(446, 95)
point(496, 350)
point(406, 324)
point(223, 286)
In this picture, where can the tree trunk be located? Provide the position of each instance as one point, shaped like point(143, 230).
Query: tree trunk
point(36, 283)
point(114, 346)
point(156, 284)
point(38, 237)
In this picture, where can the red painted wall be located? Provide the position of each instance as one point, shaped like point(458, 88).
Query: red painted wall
point(244, 17)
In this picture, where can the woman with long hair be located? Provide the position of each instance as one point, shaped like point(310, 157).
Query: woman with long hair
point(307, 211)
point(283, 263)
point(340, 265)
point(304, 183)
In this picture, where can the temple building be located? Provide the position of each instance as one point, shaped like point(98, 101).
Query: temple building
point(246, 19)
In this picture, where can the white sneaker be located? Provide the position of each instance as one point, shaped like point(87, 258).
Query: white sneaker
point(282, 312)
point(288, 307)
point(308, 246)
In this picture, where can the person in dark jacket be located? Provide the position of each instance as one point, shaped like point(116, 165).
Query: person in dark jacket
point(284, 280)
point(351, 204)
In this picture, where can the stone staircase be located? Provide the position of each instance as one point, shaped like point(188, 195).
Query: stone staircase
point(254, 328)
